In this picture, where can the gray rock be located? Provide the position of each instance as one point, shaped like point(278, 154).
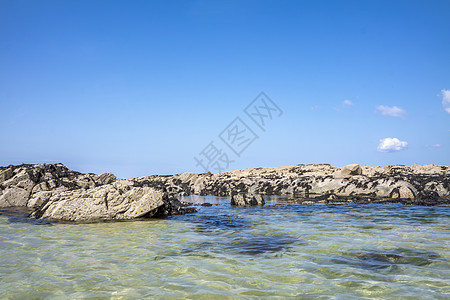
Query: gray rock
point(108, 202)
point(247, 200)
point(6, 174)
point(104, 178)
point(20, 185)
point(188, 178)
point(14, 197)
point(54, 191)
point(39, 198)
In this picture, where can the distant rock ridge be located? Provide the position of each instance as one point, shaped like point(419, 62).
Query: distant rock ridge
point(54, 192)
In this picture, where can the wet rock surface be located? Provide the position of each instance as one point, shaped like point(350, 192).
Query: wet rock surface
point(53, 191)
point(247, 200)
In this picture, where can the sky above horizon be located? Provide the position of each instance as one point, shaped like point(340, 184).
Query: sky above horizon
point(161, 87)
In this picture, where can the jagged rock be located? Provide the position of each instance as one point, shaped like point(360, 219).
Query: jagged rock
point(22, 185)
point(239, 200)
point(105, 178)
point(188, 178)
point(200, 185)
point(6, 174)
point(437, 187)
point(40, 187)
point(247, 200)
point(39, 198)
point(107, 202)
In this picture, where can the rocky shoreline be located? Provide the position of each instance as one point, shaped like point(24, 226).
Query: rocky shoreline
point(53, 192)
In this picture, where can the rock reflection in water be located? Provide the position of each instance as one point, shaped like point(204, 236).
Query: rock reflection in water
point(21, 215)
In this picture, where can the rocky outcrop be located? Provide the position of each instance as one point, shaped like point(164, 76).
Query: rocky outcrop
point(117, 201)
point(31, 185)
point(425, 185)
point(247, 200)
point(55, 192)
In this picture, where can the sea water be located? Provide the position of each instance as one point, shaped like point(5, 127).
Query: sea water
point(282, 250)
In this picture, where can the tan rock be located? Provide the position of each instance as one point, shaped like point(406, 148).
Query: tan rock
point(104, 178)
point(402, 192)
point(108, 202)
point(405, 193)
point(349, 171)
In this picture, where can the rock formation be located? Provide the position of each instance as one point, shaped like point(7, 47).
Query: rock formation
point(247, 200)
point(348, 171)
point(417, 184)
point(54, 192)
point(117, 201)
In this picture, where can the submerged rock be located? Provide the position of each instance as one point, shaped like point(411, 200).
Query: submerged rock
point(398, 256)
point(245, 244)
point(387, 259)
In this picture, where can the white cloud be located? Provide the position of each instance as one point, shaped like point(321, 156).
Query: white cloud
point(391, 111)
point(347, 102)
point(446, 100)
point(391, 144)
point(436, 145)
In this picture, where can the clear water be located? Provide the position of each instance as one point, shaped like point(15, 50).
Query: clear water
point(279, 251)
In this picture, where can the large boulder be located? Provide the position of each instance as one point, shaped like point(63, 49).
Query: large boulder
point(116, 201)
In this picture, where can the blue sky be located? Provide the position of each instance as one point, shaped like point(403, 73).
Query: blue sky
point(141, 87)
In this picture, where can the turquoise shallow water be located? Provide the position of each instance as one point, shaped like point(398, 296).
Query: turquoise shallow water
point(278, 251)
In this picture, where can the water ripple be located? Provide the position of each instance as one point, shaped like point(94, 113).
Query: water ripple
point(279, 251)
